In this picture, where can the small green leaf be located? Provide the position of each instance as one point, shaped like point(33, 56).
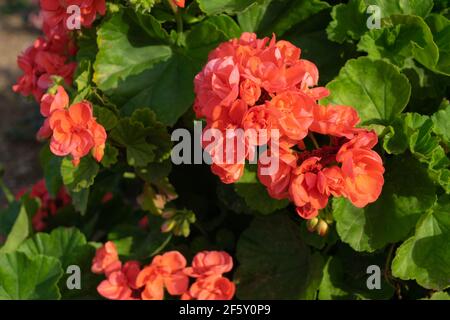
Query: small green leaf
point(25, 278)
point(105, 117)
point(110, 156)
point(403, 37)
point(425, 256)
point(441, 123)
point(349, 21)
point(131, 135)
point(80, 200)
point(376, 89)
point(79, 177)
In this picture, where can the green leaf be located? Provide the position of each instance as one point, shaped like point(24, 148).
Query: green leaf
point(149, 71)
point(255, 194)
point(53, 179)
point(278, 16)
point(22, 225)
point(441, 123)
point(80, 200)
point(441, 295)
point(105, 117)
point(392, 217)
point(79, 177)
point(145, 138)
point(396, 141)
point(349, 21)
point(110, 156)
point(65, 244)
point(411, 7)
point(376, 89)
point(25, 278)
point(212, 7)
point(440, 27)
point(156, 133)
point(425, 256)
point(8, 216)
point(83, 75)
point(311, 37)
point(345, 276)
point(274, 263)
point(207, 35)
point(403, 37)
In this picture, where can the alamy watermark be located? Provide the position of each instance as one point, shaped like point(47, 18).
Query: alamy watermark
point(227, 147)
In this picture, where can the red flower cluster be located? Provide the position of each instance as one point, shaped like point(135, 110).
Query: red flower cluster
point(55, 13)
point(262, 86)
point(73, 129)
point(47, 57)
point(167, 271)
point(50, 55)
point(49, 206)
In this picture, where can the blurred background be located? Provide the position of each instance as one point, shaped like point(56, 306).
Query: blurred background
point(19, 116)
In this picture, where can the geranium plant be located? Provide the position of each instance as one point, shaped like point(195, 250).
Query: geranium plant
point(322, 162)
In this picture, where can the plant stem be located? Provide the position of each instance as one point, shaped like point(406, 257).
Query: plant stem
point(311, 136)
point(178, 17)
point(179, 20)
point(8, 194)
point(387, 275)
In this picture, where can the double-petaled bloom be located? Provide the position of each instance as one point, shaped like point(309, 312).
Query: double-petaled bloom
point(73, 129)
point(263, 87)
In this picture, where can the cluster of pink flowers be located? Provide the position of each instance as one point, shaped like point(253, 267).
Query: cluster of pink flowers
point(51, 54)
point(262, 86)
point(47, 57)
point(55, 13)
point(73, 129)
point(48, 206)
point(166, 272)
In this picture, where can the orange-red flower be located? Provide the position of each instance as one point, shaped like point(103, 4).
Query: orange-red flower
point(211, 288)
point(249, 92)
point(208, 263)
point(106, 259)
point(335, 120)
point(263, 84)
point(44, 59)
point(115, 287)
point(165, 271)
point(362, 169)
point(179, 3)
point(294, 113)
point(76, 132)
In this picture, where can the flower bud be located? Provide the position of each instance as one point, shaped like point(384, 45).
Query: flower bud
point(168, 225)
point(322, 228)
point(311, 224)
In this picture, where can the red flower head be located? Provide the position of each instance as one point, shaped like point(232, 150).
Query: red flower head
point(208, 263)
point(211, 288)
point(165, 271)
point(106, 259)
